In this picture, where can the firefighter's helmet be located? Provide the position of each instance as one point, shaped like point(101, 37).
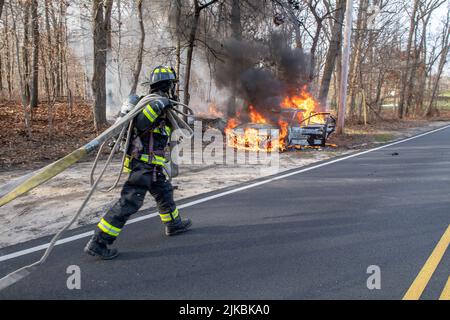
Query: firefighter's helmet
point(162, 73)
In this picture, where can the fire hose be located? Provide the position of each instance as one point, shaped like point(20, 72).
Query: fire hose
point(119, 139)
point(30, 181)
point(173, 120)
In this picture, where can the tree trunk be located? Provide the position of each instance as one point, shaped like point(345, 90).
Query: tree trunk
point(338, 75)
point(25, 52)
point(191, 44)
point(333, 49)
point(49, 48)
point(21, 81)
point(100, 57)
point(411, 82)
point(2, 2)
point(61, 46)
point(138, 64)
point(8, 57)
point(51, 86)
point(357, 56)
point(380, 83)
point(65, 64)
point(344, 68)
point(107, 22)
point(178, 4)
point(178, 64)
point(403, 88)
point(442, 62)
point(190, 51)
point(236, 33)
point(1, 77)
point(236, 28)
point(34, 83)
point(56, 51)
point(312, 67)
point(422, 74)
point(47, 83)
point(119, 44)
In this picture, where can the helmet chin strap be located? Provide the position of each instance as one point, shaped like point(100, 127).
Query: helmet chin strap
point(169, 92)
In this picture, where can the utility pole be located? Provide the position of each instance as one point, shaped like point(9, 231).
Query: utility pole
point(345, 62)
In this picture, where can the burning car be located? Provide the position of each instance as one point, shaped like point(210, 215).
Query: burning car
point(295, 124)
point(266, 136)
point(311, 133)
point(254, 136)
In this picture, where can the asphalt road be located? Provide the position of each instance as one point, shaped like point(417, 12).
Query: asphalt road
point(311, 235)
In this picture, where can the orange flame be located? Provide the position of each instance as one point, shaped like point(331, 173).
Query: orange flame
point(232, 123)
point(305, 102)
point(250, 139)
point(283, 134)
point(255, 116)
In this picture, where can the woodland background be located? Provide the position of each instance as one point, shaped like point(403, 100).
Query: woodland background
point(65, 66)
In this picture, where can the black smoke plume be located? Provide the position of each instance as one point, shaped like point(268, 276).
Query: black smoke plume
point(262, 73)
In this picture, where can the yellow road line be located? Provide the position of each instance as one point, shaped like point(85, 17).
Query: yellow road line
point(424, 276)
point(445, 295)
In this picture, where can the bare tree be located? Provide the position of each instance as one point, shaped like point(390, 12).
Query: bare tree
point(51, 67)
point(312, 5)
point(404, 86)
point(443, 59)
point(418, 74)
point(335, 44)
point(344, 71)
point(34, 83)
point(178, 7)
point(138, 64)
point(25, 50)
point(236, 33)
point(198, 7)
point(101, 13)
point(357, 56)
point(20, 74)
point(2, 2)
point(8, 62)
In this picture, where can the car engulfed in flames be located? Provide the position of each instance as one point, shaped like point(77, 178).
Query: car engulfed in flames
point(294, 125)
point(311, 134)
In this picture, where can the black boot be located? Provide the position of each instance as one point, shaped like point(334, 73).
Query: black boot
point(98, 248)
point(177, 226)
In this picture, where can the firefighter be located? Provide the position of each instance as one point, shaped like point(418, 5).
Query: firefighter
point(148, 168)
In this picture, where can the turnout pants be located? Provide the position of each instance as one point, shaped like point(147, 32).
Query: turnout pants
point(143, 177)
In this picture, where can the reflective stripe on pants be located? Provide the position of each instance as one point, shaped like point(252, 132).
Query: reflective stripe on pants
point(167, 217)
point(108, 228)
point(139, 182)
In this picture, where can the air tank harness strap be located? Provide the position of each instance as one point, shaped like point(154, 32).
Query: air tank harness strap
point(151, 153)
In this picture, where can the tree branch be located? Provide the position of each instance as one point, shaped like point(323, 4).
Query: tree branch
point(200, 8)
